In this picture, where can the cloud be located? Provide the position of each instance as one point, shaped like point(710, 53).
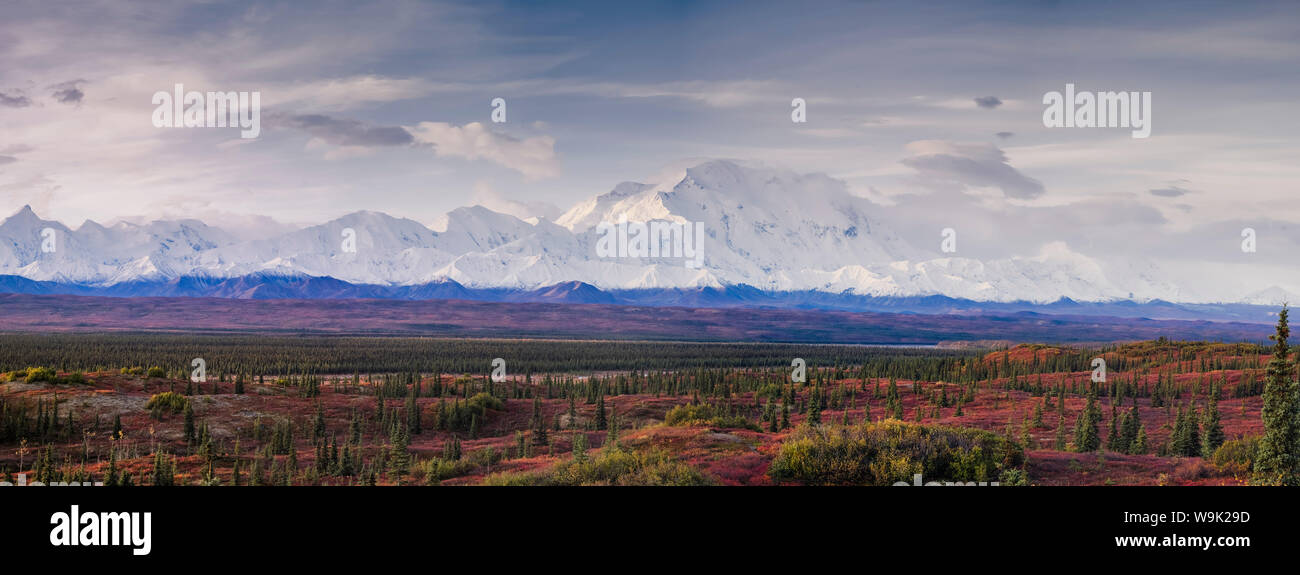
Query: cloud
point(988, 102)
point(334, 94)
point(533, 157)
point(347, 132)
point(1004, 135)
point(15, 149)
point(18, 100)
point(68, 92)
point(1170, 192)
point(485, 195)
point(970, 165)
point(7, 160)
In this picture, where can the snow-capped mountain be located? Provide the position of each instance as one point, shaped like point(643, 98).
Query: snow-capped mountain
point(770, 229)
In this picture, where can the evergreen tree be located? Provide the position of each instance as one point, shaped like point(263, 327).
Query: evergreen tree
point(1139, 446)
point(1129, 430)
point(539, 423)
point(1112, 437)
point(1211, 428)
point(1059, 443)
point(601, 419)
point(1086, 436)
point(318, 423)
point(1276, 461)
point(189, 421)
point(399, 459)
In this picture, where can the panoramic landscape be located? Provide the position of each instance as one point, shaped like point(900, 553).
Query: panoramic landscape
point(503, 245)
point(308, 282)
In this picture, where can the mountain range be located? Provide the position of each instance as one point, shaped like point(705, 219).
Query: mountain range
point(771, 237)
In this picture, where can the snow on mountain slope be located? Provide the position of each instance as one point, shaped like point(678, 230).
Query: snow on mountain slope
point(766, 228)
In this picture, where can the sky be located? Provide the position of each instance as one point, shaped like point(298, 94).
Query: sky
point(934, 111)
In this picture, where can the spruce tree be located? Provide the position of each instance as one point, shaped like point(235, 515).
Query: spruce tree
point(1211, 428)
point(601, 419)
point(189, 422)
point(1112, 437)
point(1276, 461)
point(1059, 443)
point(1139, 446)
point(1086, 436)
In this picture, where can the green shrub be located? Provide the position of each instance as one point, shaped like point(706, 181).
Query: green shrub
point(892, 451)
point(484, 400)
point(41, 374)
point(437, 469)
point(156, 371)
point(1236, 456)
point(610, 466)
point(166, 402)
point(706, 414)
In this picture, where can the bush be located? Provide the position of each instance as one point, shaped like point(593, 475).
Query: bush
point(39, 374)
point(437, 469)
point(610, 466)
point(156, 371)
point(706, 414)
point(168, 401)
point(42, 375)
point(1236, 456)
point(484, 400)
point(892, 451)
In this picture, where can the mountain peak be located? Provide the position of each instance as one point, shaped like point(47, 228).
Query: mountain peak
point(24, 212)
point(25, 218)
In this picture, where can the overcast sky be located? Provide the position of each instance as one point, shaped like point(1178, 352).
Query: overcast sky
point(933, 111)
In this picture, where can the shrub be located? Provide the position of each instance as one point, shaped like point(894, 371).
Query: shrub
point(156, 371)
point(39, 374)
point(437, 469)
point(42, 375)
point(484, 400)
point(892, 451)
point(1236, 456)
point(611, 466)
point(168, 401)
point(706, 414)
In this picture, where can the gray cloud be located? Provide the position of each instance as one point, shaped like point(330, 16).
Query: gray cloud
point(7, 160)
point(970, 165)
point(1004, 135)
point(18, 100)
point(15, 149)
point(347, 132)
point(1170, 192)
point(988, 102)
point(68, 92)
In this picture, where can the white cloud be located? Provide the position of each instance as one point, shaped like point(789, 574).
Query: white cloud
point(533, 157)
point(487, 196)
